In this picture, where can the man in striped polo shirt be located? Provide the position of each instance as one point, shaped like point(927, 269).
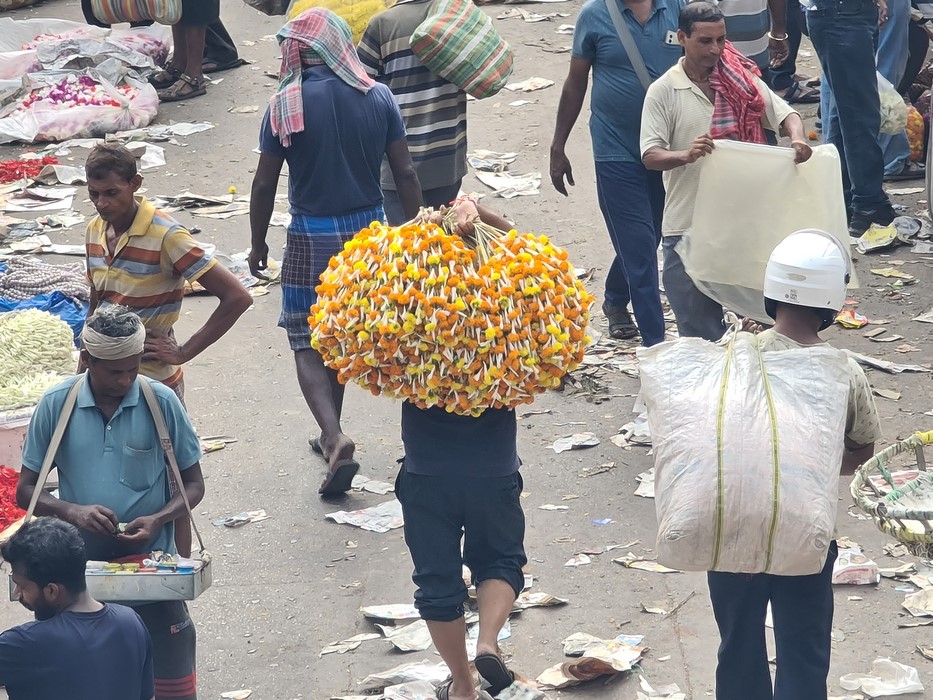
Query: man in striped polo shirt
point(433, 109)
point(140, 257)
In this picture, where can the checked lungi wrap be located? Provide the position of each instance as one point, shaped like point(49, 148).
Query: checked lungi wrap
point(310, 244)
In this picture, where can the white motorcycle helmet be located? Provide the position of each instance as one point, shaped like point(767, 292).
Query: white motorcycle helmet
point(808, 268)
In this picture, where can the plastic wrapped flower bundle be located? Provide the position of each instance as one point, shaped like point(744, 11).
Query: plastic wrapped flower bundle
point(413, 312)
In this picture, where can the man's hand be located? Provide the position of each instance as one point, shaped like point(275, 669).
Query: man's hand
point(465, 215)
point(702, 146)
point(141, 530)
point(882, 12)
point(258, 260)
point(163, 347)
point(802, 151)
point(96, 519)
point(778, 50)
point(560, 168)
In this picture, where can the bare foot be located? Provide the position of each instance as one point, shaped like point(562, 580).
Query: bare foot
point(337, 449)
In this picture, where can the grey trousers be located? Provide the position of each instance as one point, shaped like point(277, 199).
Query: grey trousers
point(696, 314)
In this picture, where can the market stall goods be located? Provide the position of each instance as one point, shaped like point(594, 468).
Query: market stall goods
point(413, 312)
point(36, 353)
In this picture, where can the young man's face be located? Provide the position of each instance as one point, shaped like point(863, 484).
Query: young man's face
point(31, 596)
point(112, 196)
point(705, 44)
point(112, 378)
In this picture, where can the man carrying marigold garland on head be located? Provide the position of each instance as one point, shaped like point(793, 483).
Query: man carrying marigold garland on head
point(460, 480)
point(333, 124)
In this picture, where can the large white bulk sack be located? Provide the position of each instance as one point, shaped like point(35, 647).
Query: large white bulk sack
point(747, 451)
point(750, 198)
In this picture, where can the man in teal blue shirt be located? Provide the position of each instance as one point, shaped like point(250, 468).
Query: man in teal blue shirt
point(630, 197)
point(114, 484)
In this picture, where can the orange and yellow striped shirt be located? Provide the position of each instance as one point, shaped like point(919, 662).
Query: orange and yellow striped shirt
point(147, 273)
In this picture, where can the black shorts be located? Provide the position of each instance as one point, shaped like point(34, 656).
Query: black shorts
point(199, 13)
point(440, 510)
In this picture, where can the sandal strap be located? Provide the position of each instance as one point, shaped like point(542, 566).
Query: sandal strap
point(193, 82)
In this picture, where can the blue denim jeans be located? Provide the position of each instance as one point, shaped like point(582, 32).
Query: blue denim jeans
point(892, 62)
point(802, 610)
point(845, 36)
point(632, 201)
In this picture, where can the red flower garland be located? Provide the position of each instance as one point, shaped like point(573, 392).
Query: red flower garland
point(9, 511)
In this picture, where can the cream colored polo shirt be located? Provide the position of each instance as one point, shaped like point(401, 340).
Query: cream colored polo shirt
point(676, 112)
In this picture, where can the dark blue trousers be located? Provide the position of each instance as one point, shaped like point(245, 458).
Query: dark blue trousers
point(632, 201)
point(802, 611)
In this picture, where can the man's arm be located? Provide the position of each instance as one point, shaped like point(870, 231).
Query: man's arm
point(778, 47)
point(855, 456)
point(406, 179)
point(261, 205)
point(144, 528)
point(658, 158)
point(571, 102)
point(793, 127)
point(234, 301)
point(96, 519)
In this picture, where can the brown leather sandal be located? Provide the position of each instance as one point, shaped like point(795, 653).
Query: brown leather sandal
point(164, 78)
point(184, 88)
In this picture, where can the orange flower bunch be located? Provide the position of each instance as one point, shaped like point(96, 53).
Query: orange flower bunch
point(413, 312)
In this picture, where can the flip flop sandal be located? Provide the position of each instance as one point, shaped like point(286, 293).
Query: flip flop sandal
point(169, 76)
point(198, 87)
point(801, 95)
point(315, 444)
point(211, 66)
point(621, 325)
point(911, 171)
point(443, 690)
point(339, 480)
point(493, 670)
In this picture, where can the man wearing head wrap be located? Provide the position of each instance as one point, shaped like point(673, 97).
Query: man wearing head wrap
point(333, 125)
point(113, 481)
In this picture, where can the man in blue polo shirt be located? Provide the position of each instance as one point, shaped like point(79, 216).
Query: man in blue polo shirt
point(630, 197)
point(114, 486)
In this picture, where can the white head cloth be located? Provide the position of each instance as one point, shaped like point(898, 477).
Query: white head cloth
point(103, 347)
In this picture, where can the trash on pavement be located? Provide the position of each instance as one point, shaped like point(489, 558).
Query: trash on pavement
point(885, 678)
point(241, 519)
point(876, 238)
point(507, 185)
point(925, 652)
point(236, 694)
point(637, 432)
point(886, 339)
point(633, 561)
point(551, 506)
point(245, 109)
point(411, 637)
point(875, 332)
point(657, 608)
point(905, 190)
point(885, 365)
point(895, 549)
point(600, 469)
point(850, 318)
point(906, 347)
point(414, 690)
point(852, 567)
point(577, 441)
point(889, 394)
point(645, 484)
point(36, 198)
point(579, 643)
point(491, 161)
point(671, 691)
point(520, 691)
point(926, 317)
point(364, 483)
point(531, 17)
point(527, 599)
point(61, 175)
point(382, 518)
point(893, 272)
point(922, 248)
point(578, 560)
point(345, 645)
point(530, 85)
point(393, 611)
point(919, 604)
point(602, 521)
point(564, 29)
point(612, 656)
point(433, 673)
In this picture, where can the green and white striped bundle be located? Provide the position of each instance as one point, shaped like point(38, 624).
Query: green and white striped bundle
point(36, 352)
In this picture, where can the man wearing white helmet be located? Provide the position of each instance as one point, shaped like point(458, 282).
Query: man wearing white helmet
point(804, 288)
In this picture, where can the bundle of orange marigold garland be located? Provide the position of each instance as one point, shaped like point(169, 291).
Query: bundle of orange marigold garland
point(413, 312)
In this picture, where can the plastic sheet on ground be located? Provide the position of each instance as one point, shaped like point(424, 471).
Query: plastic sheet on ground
point(433, 673)
point(415, 690)
point(345, 645)
point(411, 637)
point(670, 691)
point(393, 611)
point(364, 483)
point(645, 484)
point(608, 658)
point(920, 604)
point(382, 518)
point(633, 561)
point(886, 678)
point(508, 186)
point(577, 441)
point(854, 568)
point(527, 599)
point(886, 365)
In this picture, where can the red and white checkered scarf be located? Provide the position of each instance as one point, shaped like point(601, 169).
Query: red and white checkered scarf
point(739, 106)
point(314, 37)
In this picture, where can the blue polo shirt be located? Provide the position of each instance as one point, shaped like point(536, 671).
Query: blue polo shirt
point(618, 96)
point(117, 464)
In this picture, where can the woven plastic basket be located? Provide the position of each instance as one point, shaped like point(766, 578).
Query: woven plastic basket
point(900, 502)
